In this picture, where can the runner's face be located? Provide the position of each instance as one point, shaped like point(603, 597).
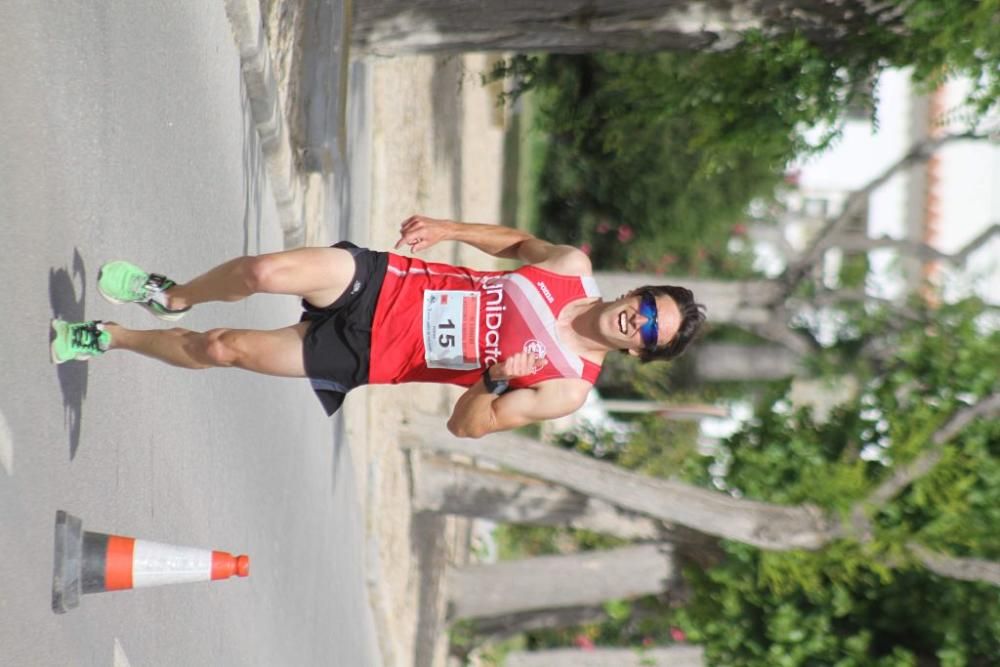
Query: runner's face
point(640, 320)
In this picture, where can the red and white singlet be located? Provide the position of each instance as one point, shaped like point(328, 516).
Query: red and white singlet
point(436, 322)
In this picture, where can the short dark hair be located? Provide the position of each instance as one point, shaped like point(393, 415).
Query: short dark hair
point(692, 317)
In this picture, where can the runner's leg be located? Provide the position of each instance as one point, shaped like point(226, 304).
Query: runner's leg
point(277, 352)
point(318, 275)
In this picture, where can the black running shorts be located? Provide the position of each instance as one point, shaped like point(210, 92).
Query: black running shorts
point(337, 346)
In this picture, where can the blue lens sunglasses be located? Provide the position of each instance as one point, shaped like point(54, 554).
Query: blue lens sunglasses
point(650, 331)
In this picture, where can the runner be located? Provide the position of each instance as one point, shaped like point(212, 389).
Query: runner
point(528, 343)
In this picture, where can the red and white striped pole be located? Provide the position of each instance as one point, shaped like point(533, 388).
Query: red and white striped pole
point(88, 562)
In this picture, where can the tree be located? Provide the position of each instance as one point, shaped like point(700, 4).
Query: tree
point(767, 308)
point(894, 499)
point(605, 25)
point(761, 524)
point(442, 486)
point(674, 656)
point(554, 582)
point(853, 38)
point(721, 362)
point(668, 148)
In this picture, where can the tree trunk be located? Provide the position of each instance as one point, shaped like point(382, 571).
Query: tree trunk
point(916, 249)
point(446, 487)
point(580, 26)
point(730, 362)
point(552, 582)
point(496, 628)
point(756, 523)
point(761, 524)
point(565, 26)
point(672, 656)
point(678, 411)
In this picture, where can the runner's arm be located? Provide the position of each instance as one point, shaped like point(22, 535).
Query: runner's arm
point(478, 412)
point(420, 232)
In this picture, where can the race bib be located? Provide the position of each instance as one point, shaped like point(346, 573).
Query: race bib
point(451, 329)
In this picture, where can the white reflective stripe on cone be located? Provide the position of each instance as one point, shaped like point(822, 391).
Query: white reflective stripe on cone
point(154, 564)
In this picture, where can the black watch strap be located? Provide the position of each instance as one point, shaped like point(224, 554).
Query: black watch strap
point(496, 387)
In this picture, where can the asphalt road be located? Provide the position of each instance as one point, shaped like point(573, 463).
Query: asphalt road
point(124, 133)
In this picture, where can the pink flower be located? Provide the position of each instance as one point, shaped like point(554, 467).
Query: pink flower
point(739, 229)
point(585, 248)
point(584, 642)
point(677, 634)
point(602, 228)
point(647, 641)
point(625, 234)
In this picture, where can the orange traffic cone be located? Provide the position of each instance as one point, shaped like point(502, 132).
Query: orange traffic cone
point(87, 562)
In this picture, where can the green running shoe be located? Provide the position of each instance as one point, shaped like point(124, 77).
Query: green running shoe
point(78, 341)
point(123, 282)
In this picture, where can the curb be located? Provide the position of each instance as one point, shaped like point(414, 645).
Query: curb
point(265, 109)
point(300, 204)
point(326, 58)
point(379, 598)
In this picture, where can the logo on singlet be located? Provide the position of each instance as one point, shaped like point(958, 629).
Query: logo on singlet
point(535, 347)
point(492, 288)
point(545, 291)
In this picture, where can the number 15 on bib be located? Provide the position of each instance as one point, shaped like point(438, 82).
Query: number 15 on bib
point(451, 329)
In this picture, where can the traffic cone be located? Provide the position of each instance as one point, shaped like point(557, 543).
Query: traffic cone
point(87, 562)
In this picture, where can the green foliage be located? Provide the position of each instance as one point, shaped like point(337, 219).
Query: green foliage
point(854, 270)
point(814, 463)
point(653, 158)
point(868, 604)
point(662, 172)
point(651, 161)
point(847, 612)
point(654, 446)
point(670, 148)
point(495, 654)
point(644, 622)
point(947, 37)
point(852, 603)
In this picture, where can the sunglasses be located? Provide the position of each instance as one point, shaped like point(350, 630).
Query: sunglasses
point(650, 331)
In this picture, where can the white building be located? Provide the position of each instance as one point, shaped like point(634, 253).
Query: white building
point(946, 202)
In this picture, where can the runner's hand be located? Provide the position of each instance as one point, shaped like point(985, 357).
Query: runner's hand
point(420, 232)
point(518, 365)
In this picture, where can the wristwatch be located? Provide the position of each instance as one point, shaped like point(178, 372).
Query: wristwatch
point(495, 387)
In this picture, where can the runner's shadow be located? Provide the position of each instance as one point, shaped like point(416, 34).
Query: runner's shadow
point(64, 286)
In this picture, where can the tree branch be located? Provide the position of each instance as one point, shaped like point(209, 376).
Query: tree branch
point(834, 297)
point(919, 152)
point(921, 251)
point(765, 525)
point(449, 487)
point(777, 331)
point(905, 475)
point(760, 524)
point(965, 569)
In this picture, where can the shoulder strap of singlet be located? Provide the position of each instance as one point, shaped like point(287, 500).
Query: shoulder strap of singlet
point(590, 371)
point(527, 278)
point(587, 284)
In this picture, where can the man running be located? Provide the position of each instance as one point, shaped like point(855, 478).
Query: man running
point(528, 343)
